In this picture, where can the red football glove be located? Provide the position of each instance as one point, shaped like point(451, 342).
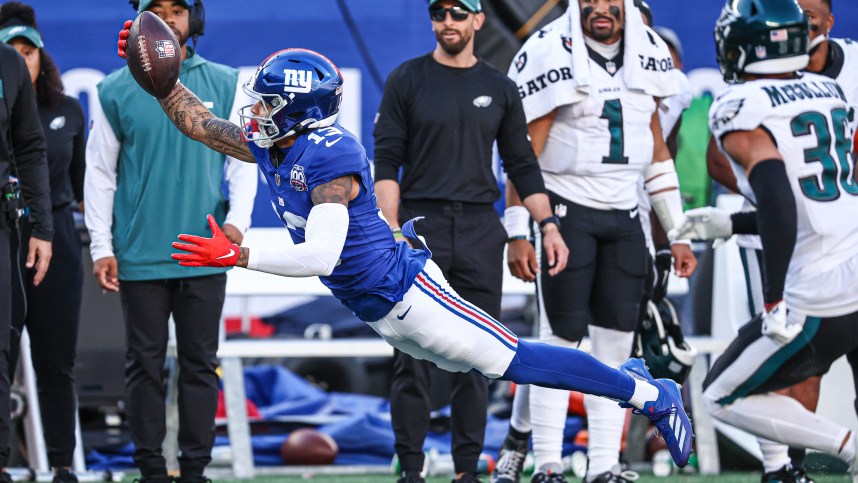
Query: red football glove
point(123, 35)
point(216, 251)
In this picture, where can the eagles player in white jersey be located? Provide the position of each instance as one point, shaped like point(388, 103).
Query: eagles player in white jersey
point(593, 154)
point(834, 58)
point(789, 138)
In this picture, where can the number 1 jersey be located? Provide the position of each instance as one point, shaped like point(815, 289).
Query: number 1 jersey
point(598, 148)
point(808, 119)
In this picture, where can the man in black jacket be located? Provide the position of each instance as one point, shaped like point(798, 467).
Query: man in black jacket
point(22, 154)
point(438, 119)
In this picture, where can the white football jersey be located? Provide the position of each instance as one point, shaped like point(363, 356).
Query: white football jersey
point(597, 149)
point(808, 118)
point(844, 69)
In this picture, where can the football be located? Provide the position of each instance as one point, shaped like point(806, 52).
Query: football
point(153, 55)
point(308, 447)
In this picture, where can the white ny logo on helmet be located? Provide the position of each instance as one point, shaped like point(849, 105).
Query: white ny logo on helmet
point(295, 80)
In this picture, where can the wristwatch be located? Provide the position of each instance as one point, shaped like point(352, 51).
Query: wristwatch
point(551, 219)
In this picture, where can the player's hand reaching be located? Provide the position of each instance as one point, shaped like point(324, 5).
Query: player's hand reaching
point(122, 44)
point(555, 249)
point(779, 324)
point(521, 259)
point(705, 223)
point(216, 251)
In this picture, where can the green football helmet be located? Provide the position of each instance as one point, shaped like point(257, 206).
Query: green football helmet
point(761, 37)
point(659, 341)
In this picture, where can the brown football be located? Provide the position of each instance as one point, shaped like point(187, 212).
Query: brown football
point(308, 447)
point(153, 54)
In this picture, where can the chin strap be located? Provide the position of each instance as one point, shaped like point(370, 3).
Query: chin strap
point(816, 42)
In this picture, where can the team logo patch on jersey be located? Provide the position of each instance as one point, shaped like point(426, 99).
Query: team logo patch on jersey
point(165, 48)
point(521, 61)
point(611, 67)
point(761, 52)
point(296, 178)
point(58, 123)
point(567, 43)
point(483, 101)
point(727, 112)
point(295, 80)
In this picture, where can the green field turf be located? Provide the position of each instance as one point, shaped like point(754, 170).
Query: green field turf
point(723, 478)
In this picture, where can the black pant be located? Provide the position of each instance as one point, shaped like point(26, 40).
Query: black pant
point(5, 323)
point(51, 313)
point(196, 305)
point(603, 282)
point(467, 243)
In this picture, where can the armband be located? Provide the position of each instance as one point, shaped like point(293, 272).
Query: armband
point(662, 184)
point(516, 222)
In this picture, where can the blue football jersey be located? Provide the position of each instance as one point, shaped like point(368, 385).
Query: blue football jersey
point(374, 272)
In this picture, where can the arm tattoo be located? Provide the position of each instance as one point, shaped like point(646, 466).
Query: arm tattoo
point(194, 120)
point(335, 191)
point(225, 137)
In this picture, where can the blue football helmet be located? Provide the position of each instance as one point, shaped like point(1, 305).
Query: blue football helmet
point(298, 89)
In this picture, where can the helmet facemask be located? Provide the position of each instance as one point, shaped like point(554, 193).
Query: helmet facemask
point(262, 129)
point(298, 90)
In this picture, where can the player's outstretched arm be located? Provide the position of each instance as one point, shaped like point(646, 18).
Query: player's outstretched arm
point(197, 122)
point(193, 118)
point(325, 234)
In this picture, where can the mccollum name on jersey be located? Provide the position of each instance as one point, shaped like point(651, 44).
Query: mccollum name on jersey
point(803, 90)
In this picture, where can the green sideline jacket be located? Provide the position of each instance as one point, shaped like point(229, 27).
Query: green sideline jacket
point(166, 182)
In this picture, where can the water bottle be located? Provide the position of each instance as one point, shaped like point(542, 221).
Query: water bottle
point(576, 463)
point(662, 463)
point(440, 464)
point(396, 469)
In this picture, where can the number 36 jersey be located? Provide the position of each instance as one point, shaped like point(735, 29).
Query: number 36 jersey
point(598, 148)
point(809, 120)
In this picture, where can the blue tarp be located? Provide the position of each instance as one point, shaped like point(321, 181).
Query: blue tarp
point(363, 434)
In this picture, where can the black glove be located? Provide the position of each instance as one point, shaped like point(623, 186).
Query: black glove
point(663, 263)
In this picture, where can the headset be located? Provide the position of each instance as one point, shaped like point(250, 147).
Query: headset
point(196, 14)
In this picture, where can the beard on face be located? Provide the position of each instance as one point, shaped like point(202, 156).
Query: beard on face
point(182, 37)
point(601, 35)
point(588, 17)
point(455, 47)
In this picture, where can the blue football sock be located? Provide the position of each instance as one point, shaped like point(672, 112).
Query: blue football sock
point(564, 368)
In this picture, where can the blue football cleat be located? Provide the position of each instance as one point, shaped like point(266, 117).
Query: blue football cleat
point(666, 412)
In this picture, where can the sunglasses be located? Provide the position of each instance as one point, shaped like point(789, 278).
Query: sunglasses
point(439, 14)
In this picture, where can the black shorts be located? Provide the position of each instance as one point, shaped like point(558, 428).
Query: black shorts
point(604, 280)
point(753, 364)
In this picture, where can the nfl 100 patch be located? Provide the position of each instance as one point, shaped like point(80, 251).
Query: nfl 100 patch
point(297, 180)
